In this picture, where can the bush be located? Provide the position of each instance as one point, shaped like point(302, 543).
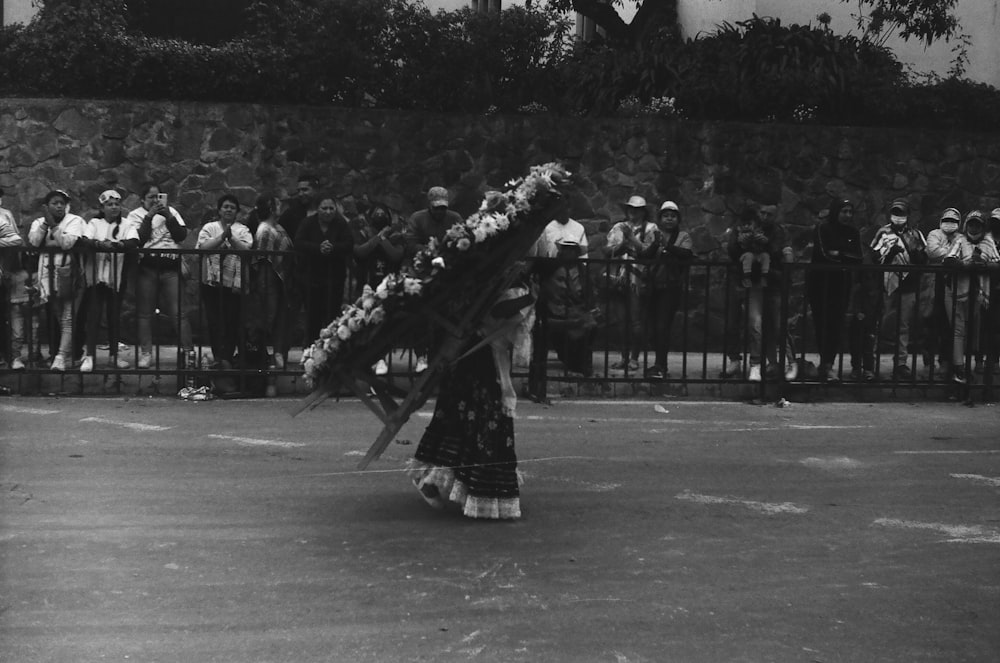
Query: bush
point(397, 54)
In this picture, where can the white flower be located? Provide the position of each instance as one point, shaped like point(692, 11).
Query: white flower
point(479, 234)
point(355, 324)
point(343, 332)
point(463, 244)
point(438, 262)
point(412, 286)
point(309, 366)
point(319, 356)
point(376, 316)
point(383, 289)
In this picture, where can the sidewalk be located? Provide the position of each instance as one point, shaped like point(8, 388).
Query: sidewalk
point(695, 375)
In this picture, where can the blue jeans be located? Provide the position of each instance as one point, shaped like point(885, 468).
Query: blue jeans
point(160, 284)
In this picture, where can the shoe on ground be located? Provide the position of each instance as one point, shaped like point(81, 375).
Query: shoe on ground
point(633, 365)
point(827, 374)
point(145, 360)
point(118, 362)
point(17, 365)
point(792, 371)
point(87, 365)
point(902, 373)
point(733, 372)
point(382, 368)
point(754, 375)
point(58, 364)
point(619, 365)
point(421, 365)
point(868, 376)
point(856, 375)
point(656, 373)
point(959, 376)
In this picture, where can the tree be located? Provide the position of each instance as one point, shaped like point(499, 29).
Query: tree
point(927, 20)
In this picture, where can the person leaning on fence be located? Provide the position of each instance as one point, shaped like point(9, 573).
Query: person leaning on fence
point(938, 292)
point(379, 247)
point(106, 238)
point(12, 282)
point(666, 280)
point(272, 283)
point(323, 247)
point(222, 279)
point(59, 272)
point(158, 275)
point(836, 241)
point(628, 241)
point(771, 249)
point(898, 244)
point(424, 225)
point(974, 255)
point(991, 321)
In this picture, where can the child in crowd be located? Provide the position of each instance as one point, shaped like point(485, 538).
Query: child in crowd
point(898, 244)
point(970, 294)
point(753, 246)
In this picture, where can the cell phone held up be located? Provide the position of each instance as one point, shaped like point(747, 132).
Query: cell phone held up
point(161, 198)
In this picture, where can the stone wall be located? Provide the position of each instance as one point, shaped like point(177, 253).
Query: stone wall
point(198, 151)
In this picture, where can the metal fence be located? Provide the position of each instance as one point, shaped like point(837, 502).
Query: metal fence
point(600, 322)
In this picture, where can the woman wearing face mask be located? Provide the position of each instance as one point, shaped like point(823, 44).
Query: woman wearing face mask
point(103, 264)
point(970, 295)
point(324, 244)
point(222, 279)
point(937, 317)
point(59, 276)
point(666, 280)
point(896, 243)
point(836, 242)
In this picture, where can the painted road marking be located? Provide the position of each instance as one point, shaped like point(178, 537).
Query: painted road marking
point(834, 463)
point(950, 451)
point(131, 425)
point(253, 442)
point(768, 508)
point(957, 533)
point(26, 410)
point(989, 481)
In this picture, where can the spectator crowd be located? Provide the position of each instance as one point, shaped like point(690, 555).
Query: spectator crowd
point(273, 276)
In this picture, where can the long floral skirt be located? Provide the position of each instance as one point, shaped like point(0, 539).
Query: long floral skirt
point(466, 455)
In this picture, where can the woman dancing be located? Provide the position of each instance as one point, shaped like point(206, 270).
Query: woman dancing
point(466, 455)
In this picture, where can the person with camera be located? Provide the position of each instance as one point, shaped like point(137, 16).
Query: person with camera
point(222, 283)
point(158, 275)
point(59, 276)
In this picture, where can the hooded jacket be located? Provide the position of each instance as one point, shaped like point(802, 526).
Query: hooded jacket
point(970, 252)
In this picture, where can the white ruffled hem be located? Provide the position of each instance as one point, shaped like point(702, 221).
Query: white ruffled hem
point(426, 476)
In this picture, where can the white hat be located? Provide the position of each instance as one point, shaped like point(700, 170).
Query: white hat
point(110, 194)
point(995, 214)
point(636, 201)
point(669, 204)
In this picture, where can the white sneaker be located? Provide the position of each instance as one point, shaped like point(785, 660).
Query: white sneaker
point(754, 373)
point(145, 360)
point(87, 364)
point(58, 364)
point(118, 362)
point(382, 368)
point(17, 365)
point(421, 365)
point(792, 372)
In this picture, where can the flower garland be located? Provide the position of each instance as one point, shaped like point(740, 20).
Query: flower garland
point(500, 213)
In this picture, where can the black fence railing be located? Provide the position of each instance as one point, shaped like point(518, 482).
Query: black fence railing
point(244, 317)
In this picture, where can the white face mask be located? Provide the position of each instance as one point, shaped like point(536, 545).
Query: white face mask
point(897, 220)
point(949, 227)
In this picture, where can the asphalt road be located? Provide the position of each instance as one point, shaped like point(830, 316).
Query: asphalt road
point(160, 530)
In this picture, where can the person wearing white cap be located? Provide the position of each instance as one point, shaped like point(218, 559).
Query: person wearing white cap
point(940, 242)
point(974, 248)
point(671, 254)
point(628, 241)
point(104, 240)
